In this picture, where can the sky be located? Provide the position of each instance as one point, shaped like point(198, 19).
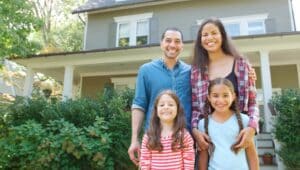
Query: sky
point(296, 6)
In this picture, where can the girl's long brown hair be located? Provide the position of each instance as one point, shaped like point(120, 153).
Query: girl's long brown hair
point(234, 106)
point(154, 131)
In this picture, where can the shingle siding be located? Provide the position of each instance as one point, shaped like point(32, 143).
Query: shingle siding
point(184, 15)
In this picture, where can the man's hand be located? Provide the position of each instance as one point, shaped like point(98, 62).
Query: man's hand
point(134, 152)
point(245, 137)
point(201, 138)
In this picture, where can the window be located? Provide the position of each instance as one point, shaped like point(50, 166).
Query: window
point(132, 30)
point(244, 25)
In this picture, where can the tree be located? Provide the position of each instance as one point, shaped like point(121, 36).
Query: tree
point(61, 30)
point(17, 21)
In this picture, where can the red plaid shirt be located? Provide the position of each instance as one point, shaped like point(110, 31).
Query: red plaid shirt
point(246, 89)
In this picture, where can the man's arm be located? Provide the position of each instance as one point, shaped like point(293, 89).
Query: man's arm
point(136, 124)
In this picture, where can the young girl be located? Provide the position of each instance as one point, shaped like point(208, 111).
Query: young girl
point(223, 126)
point(167, 144)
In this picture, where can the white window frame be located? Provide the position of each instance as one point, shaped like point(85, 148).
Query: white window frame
point(243, 21)
point(132, 20)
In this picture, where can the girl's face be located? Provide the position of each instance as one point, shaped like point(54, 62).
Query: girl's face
point(166, 109)
point(221, 98)
point(211, 39)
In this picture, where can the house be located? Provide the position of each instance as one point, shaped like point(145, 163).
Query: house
point(121, 35)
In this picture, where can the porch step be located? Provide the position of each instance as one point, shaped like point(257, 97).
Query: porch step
point(268, 167)
point(265, 144)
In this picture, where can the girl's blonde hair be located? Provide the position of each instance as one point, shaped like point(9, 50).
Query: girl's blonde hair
point(154, 131)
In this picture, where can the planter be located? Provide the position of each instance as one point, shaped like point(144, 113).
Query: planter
point(267, 159)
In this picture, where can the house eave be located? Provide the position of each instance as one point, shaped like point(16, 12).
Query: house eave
point(281, 34)
point(118, 7)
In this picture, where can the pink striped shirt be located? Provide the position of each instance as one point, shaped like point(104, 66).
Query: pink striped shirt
point(183, 159)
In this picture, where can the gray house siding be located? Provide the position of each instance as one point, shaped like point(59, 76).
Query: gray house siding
point(101, 31)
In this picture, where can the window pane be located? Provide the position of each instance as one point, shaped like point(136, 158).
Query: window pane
point(141, 40)
point(232, 29)
point(124, 30)
point(123, 42)
point(142, 28)
point(256, 27)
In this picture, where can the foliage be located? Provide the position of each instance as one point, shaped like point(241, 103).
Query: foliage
point(61, 31)
point(75, 134)
point(17, 21)
point(287, 126)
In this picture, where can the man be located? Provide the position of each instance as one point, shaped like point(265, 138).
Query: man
point(168, 72)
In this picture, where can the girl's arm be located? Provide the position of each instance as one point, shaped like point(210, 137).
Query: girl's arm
point(252, 157)
point(145, 159)
point(188, 153)
point(203, 160)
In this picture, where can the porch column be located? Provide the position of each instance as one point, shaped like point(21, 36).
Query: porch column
point(266, 86)
point(28, 82)
point(68, 82)
point(298, 73)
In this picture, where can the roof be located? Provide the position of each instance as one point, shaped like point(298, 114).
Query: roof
point(106, 5)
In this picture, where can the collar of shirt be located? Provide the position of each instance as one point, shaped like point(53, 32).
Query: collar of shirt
point(162, 62)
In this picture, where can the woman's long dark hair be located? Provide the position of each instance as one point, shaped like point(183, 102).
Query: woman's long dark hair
point(154, 132)
point(200, 57)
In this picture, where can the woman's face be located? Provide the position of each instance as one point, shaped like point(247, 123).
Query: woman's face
point(211, 39)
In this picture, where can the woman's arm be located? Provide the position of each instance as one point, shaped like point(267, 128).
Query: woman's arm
point(197, 101)
point(252, 157)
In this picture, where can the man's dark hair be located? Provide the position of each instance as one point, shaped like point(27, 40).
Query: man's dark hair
point(171, 29)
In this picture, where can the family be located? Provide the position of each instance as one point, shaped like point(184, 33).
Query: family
point(198, 116)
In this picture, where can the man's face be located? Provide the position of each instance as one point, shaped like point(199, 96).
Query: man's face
point(171, 44)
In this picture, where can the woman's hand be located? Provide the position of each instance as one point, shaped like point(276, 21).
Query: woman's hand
point(252, 74)
point(245, 137)
point(202, 139)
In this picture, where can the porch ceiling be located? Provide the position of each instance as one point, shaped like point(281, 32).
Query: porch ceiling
point(283, 50)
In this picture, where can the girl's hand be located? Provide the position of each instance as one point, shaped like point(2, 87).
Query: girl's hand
point(245, 137)
point(202, 139)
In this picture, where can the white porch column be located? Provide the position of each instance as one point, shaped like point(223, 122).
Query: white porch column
point(68, 82)
point(266, 86)
point(28, 82)
point(298, 73)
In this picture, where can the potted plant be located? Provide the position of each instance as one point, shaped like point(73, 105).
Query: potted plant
point(267, 158)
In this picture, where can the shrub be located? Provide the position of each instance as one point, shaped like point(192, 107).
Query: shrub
point(74, 134)
point(287, 126)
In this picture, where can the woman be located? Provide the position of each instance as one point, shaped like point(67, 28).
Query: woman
point(216, 57)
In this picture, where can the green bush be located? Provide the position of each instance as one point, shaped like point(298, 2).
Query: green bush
point(75, 134)
point(287, 126)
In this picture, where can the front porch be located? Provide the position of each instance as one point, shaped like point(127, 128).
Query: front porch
point(275, 58)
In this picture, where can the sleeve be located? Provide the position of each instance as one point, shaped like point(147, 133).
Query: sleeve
point(145, 159)
point(195, 99)
point(188, 152)
point(201, 125)
point(253, 110)
point(140, 100)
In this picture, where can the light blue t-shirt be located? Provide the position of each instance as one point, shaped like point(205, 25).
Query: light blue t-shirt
point(223, 135)
point(154, 77)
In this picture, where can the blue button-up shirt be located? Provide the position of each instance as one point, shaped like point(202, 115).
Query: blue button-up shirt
point(154, 77)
